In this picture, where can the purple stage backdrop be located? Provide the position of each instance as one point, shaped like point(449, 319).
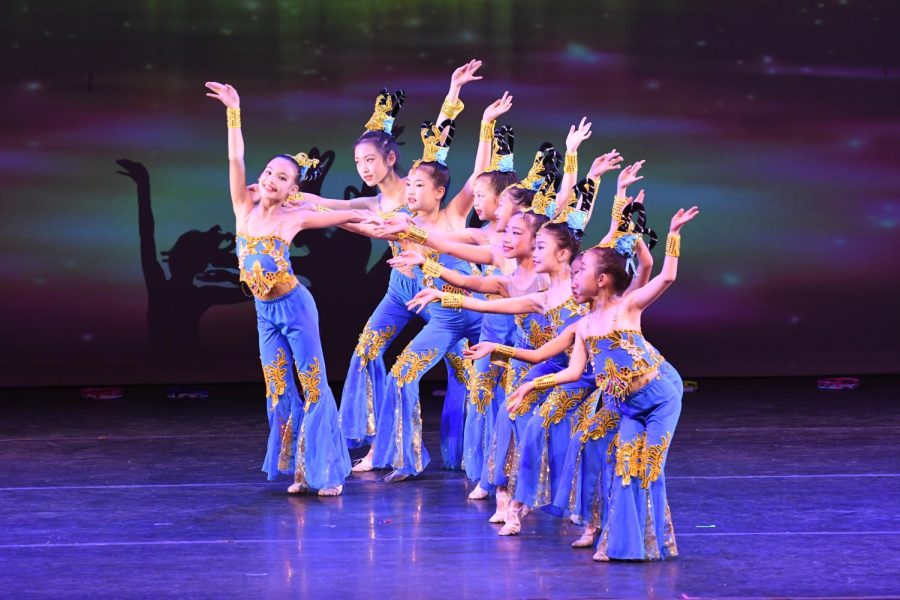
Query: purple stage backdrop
point(779, 119)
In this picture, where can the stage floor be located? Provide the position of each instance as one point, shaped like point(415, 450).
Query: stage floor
point(776, 489)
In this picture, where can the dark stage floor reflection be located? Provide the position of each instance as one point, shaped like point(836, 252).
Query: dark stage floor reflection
point(776, 489)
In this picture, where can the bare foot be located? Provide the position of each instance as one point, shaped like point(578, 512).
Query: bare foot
point(587, 538)
point(332, 491)
point(395, 476)
point(479, 493)
point(296, 488)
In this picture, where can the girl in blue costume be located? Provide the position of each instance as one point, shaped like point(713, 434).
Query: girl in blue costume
point(398, 441)
point(304, 440)
point(485, 389)
point(544, 448)
point(374, 339)
point(518, 245)
point(646, 390)
point(376, 155)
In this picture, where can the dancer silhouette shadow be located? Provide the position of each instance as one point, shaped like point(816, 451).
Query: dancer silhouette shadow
point(203, 273)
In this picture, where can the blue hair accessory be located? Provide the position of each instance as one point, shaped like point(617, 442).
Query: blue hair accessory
point(624, 246)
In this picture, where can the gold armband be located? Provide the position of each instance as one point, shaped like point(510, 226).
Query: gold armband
point(432, 268)
point(452, 300)
point(673, 245)
point(452, 109)
point(320, 208)
point(487, 131)
point(619, 205)
point(545, 382)
point(233, 116)
point(414, 233)
point(571, 165)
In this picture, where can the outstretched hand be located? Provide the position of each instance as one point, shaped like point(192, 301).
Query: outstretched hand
point(629, 175)
point(465, 74)
point(605, 163)
point(396, 224)
point(497, 108)
point(515, 400)
point(406, 260)
point(423, 299)
point(135, 170)
point(224, 93)
point(479, 350)
point(682, 217)
point(578, 134)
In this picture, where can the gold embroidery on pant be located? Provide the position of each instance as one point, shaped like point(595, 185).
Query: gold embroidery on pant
point(311, 381)
point(525, 407)
point(287, 445)
point(276, 378)
point(560, 401)
point(581, 416)
point(652, 457)
point(372, 342)
point(414, 363)
point(462, 368)
point(481, 388)
point(628, 459)
point(603, 422)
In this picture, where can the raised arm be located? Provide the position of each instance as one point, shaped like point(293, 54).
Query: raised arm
point(576, 135)
point(462, 202)
point(644, 269)
point(601, 165)
point(241, 201)
point(643, 297)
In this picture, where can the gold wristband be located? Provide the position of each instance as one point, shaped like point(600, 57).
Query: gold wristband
point(452, 109)
point(414, 233)
point(618, 206)
point(673, 245)
point(502, 354)
point(503, 350)
point(233, 117)
point(571, 166)
point(452, 300)
point(545, 382)
point(432, 268)
point(487, 131)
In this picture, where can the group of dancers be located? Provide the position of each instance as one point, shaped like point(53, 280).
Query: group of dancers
point(555, 399)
